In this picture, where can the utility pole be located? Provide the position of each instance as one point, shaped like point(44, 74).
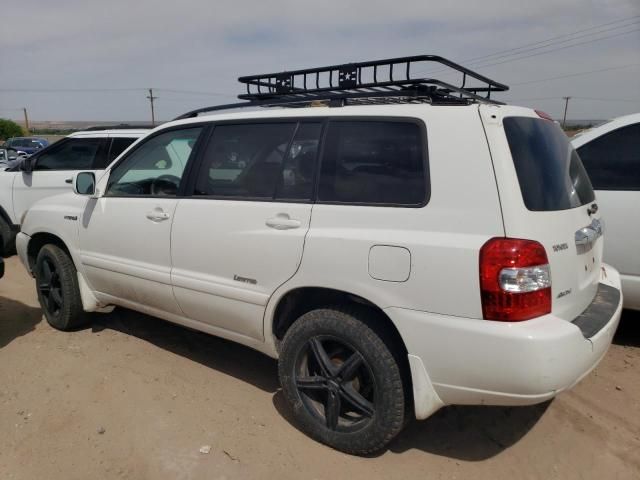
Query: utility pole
point(566, 105)
point(153, 113)
point(26, 120)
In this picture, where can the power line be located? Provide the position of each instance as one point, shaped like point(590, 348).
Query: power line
point(71, 90)
point(110, 90)
point(557, 49)
point(554, 38)
point(587, 35)
point(481, 62)
point(576, 74)
point(609, 99)
point(190, 92)
point(578, 98)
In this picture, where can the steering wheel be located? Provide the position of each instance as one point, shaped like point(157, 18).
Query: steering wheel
point(165, 185)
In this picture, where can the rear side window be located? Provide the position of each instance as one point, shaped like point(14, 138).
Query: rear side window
point(613, 160)
point(549, 170)
point(73, 154)
point(374, 163)
point(118, 145)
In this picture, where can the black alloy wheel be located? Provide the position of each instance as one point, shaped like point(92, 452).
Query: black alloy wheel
point(335, 384)
point(50, 287)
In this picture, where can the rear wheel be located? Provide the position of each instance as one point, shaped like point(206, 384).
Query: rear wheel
point(342, 381)
point(58, 290)
point(7, 239)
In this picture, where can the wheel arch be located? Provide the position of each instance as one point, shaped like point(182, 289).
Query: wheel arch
point(294, 303)
point(5, 216)
point(39, 240)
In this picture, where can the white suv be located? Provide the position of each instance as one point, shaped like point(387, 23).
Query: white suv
point(394, 258)
point(50, 171)
point(611, 155)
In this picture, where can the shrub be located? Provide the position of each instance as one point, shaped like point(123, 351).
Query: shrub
point(9, 128)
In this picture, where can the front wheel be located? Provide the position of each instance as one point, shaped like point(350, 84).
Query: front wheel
point(342, 381)
point(58, 290)
point(7, 239)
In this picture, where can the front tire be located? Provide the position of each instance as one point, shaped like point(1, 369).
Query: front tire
point(7, 239)
point(58, 290)
point(342, 381)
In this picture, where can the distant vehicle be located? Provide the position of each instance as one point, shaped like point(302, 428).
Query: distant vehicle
point(10, 157)
point(28, 145)
point(50, 170)
point(611, 155)
point(398, 245)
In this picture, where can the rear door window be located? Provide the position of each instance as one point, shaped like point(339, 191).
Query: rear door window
point(550, 173)
point(374, 163)
point(245, 161)
point(613, 160)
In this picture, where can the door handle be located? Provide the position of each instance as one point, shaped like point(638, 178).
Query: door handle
point(282, 221)
point(157, 215)
point(69, 181)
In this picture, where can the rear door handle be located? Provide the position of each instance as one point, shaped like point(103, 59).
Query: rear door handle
point(69, 181)
point(157, 215)
point(282, 221)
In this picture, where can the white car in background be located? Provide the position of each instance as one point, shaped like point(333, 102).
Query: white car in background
point(611, 155)
point(24, 181)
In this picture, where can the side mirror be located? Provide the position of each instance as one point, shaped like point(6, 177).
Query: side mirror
point(85, 184)
point(27, 165)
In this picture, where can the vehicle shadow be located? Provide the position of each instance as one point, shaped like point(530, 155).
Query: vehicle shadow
point(470, 433)
point(465, 433)
point(628, 333)
point(213, 352)
point(16, 320)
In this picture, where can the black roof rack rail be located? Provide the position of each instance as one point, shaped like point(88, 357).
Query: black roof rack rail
point(120, 126)
point(394, 80)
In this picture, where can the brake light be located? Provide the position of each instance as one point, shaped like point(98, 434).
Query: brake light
point(515, 280)
point(544, 115)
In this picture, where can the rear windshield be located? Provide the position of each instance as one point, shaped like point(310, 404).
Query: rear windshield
point(550, 173)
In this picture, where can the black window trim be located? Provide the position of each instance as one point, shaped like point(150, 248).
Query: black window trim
point(188, 191)
point(600, 137)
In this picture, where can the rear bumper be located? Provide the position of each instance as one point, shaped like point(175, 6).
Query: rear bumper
point(471, 361)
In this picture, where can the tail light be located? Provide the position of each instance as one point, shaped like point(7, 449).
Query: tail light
point(515, 280)
point(544, 115)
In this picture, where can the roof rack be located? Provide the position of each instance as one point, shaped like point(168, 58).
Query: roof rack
point(120, 126)
point(390, 81)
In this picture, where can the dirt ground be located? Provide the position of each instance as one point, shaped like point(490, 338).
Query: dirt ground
point(135, 397)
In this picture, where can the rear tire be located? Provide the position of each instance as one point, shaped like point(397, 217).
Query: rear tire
point(58, 290)
point(7, 239)
point(342, 381)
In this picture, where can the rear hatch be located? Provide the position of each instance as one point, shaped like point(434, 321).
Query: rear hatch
point(546, 196)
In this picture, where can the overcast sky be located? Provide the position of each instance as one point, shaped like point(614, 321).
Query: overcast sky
point(120, 47)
